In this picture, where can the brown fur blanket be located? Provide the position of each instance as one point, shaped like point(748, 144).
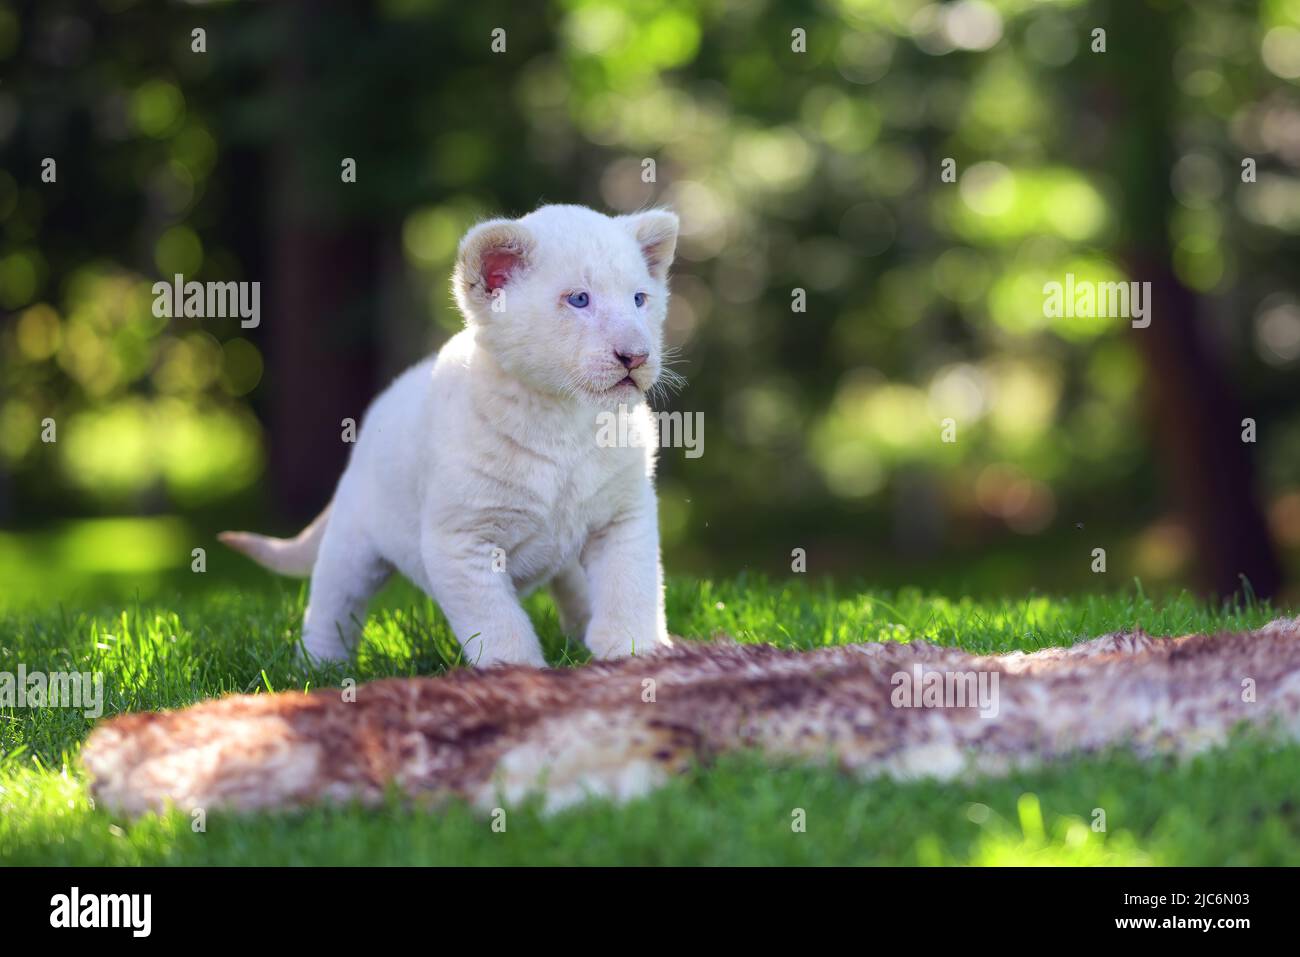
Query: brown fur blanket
point(620, 728)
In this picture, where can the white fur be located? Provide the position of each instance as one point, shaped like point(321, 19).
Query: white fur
point(492, 444)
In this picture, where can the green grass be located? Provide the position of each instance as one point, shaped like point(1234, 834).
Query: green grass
point(1234, 806)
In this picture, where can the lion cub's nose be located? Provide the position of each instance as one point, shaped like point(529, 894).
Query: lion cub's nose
point(631, 361)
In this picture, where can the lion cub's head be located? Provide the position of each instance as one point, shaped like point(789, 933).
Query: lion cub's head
point(570, 301)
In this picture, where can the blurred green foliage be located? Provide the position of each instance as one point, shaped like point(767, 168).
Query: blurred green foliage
point(816, 170)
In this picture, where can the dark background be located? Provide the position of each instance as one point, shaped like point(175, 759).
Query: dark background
point(816, 170)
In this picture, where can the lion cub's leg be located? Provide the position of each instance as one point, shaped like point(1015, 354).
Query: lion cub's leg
point(626, 582)
point(347, 573)
point(478, 598)
point(572, 600)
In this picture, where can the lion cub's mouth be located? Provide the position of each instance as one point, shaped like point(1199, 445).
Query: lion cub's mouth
point(618, 388)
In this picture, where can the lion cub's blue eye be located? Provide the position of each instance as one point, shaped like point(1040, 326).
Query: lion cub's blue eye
point(639, 299)
point(579, 300)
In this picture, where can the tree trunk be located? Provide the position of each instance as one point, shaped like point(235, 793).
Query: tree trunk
point(1193, 412)
point(320, 361)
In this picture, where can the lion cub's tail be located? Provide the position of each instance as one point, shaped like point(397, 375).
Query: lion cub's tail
point(288, 556)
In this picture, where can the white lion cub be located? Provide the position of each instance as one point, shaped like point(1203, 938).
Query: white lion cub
point(478, 474)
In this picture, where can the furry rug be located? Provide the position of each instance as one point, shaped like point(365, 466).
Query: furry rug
point(620, 728)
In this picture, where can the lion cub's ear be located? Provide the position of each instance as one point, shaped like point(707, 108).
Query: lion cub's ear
point(656, 232)
point(491, 254)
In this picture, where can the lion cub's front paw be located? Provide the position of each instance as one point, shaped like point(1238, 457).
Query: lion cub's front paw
point(504, 650)
point(613, 645)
